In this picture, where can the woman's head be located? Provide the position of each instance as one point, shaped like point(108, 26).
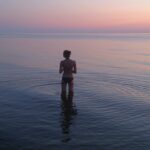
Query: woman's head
point(66, 54)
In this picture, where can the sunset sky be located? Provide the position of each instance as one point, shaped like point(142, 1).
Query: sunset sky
point(74, 16)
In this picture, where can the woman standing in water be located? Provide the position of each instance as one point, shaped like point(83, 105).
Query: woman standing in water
point(67, 67)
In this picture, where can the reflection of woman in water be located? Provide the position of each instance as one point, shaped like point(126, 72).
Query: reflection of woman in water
point(68, 112)
point(67, 67)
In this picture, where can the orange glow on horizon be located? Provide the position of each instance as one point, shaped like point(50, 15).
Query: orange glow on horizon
point(83, 15)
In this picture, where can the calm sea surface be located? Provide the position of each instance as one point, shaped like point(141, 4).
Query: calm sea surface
point(111, 103)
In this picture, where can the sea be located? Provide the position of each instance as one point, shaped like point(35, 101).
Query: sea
point(110, 109)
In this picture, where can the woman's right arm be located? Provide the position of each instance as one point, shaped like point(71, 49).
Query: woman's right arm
point(75, 68)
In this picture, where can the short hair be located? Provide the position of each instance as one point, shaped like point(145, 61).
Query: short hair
point(66, 53)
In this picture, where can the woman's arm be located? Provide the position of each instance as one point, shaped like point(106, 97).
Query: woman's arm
point(75, 68)
point(60, 67)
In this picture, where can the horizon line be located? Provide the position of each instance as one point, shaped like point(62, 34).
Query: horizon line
point(76, 32)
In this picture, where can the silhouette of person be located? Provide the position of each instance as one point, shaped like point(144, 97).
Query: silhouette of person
point(67, 67)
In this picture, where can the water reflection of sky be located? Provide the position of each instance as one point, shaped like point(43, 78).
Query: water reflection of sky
point(96, 54)
point(108, 103)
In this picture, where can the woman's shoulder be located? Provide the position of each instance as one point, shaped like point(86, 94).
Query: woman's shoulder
point(73, 61)
point(62, 61)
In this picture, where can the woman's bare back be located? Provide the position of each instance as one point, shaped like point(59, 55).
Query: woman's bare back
point(68, 67)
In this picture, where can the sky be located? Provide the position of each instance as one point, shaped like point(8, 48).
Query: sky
point(74, 16)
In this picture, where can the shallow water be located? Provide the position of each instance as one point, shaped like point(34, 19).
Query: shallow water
point(111, 104)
